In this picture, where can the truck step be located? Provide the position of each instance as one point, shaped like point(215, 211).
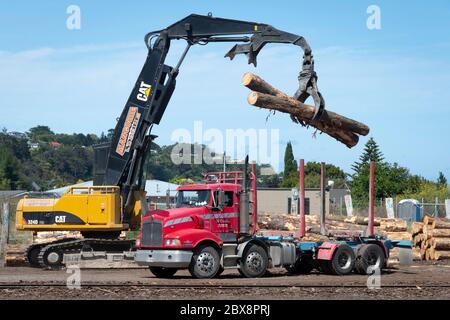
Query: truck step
point(231, 256)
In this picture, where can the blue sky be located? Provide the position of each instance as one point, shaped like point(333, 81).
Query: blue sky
point(395, 79)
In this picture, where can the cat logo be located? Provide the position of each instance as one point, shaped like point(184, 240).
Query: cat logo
point(60, 219)
point(144, 91)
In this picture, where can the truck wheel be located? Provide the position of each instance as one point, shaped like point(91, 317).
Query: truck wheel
point(205, 263)
point(303, 265)
point(254, 262)
point(161, 272)
point(343, 260)
point(369, 255)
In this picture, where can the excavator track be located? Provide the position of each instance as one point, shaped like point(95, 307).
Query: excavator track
point(51, 256)
point(32, 256)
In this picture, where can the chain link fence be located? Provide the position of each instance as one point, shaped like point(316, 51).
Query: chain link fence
point(361, 208)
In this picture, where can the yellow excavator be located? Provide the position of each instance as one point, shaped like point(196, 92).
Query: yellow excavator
point(117, 198)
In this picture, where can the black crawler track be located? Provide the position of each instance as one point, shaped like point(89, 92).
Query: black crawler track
point(78, 245)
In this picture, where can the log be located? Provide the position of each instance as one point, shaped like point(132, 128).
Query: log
point(441, 255)
point(427, 220)
point(397, 235)
point(440, 243)
point(427, 232)
point(441, 224)
point(440, 233)
point(416, 227)
point(364, 221)
point(265, 96)
point(394, 226)
point(416, 240)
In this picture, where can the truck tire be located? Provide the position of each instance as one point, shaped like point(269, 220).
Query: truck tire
point(303, 265)
point(161, 272)
point(369, 255)
point(205, 263)
point(254, 262)
point(342, 263)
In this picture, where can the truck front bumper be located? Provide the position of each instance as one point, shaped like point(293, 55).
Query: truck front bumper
point(163, 258)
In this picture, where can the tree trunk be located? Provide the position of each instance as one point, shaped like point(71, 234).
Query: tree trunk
point(440, 233)
point(427, 231)
point(441, 224)
point(364, 221)
point(440, 243)
point(339, 127)
point(427, 220)
point(416, 227)
point(441, 255)
point(393, 226)
point(397, 235)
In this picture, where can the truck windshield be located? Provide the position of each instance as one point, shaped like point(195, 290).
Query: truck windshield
point(192, 198)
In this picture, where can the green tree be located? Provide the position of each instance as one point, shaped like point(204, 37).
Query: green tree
point(290, 173)
point(41, 133)
point(442, 180)
point(371, 152)
point(312, 175)
point(390, 179)
point(9, 170)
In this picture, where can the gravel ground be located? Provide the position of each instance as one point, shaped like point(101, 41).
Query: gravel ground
point(424, 281)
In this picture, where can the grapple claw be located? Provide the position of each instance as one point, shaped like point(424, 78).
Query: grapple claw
point(308, 88)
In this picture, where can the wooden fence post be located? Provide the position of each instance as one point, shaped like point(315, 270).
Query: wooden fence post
point(4, 233)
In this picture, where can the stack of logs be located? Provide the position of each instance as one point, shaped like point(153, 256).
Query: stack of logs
point(432, 238)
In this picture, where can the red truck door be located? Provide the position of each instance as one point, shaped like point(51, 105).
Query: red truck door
point(225, 221)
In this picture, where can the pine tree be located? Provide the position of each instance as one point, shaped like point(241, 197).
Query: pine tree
point(290, 167)
point(442, 180)
point(371, 153)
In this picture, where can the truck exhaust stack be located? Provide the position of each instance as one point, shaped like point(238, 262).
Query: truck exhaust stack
point(244, 203)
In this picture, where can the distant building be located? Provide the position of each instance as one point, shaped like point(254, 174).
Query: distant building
point(55, 144)
point(33, 145)
point(281, 200)
point(19, 135)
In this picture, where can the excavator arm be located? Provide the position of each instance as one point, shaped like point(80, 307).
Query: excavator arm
point(121, 162)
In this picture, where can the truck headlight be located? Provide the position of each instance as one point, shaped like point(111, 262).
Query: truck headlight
point(138, 242)
point(172, 242)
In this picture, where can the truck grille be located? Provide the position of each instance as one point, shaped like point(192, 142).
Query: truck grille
point(152, 233)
